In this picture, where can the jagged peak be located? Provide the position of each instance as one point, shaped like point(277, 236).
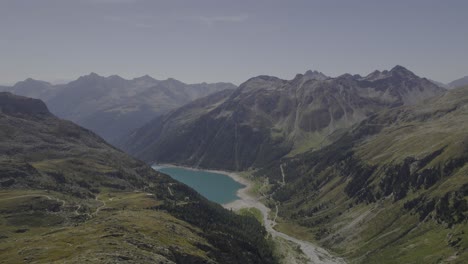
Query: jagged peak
point(315, 75)
point(400, 70)
point(93, 74)
point(90, 76)
point(397, 71)
point(375, 75)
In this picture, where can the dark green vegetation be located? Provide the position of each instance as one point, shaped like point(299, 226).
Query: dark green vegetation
point(68, 196)
point(394, 189)
point(252, 212)
point(113, 106)
point(267, 118)
point(373, 168)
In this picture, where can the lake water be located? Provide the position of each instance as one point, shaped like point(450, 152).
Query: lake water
point(216, 187)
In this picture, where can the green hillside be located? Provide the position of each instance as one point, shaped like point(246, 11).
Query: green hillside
point(392, 190)
point(68, 196)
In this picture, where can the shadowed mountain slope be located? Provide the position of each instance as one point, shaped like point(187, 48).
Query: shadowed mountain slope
point(68, 196)
point(394, 189)
point(267, 118)
point(113, 106)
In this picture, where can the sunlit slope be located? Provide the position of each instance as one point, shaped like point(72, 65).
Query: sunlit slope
point(393, 190)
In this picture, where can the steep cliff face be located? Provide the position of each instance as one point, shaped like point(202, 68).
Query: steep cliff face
point(267, 118)
point(68, 196)
point(392, 189)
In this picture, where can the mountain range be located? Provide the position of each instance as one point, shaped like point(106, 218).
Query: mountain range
point(68, 196)
point(267, 118)
point(453, 84)
point(371, 167)
point(459, 82)
point(113, 106)
point(393, 189)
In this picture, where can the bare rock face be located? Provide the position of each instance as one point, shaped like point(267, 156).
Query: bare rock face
point(267, 118)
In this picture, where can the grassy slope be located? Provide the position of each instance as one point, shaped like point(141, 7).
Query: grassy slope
point(377, 195)
point(66, 195)
point(123, 230)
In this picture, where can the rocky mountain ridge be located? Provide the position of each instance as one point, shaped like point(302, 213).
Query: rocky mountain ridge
point(113, 106)
point(267, 118)
point(394, 182)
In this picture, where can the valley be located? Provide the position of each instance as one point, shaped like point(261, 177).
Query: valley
point(68, 196)
point(367, 191)
point(383, 181)
point(310, 253)
point(233, 132)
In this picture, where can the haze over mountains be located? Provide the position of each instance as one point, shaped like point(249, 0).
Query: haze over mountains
point(267, 118)
point(113, 106)
point(68, 196)
point(453, 84)
point(371, 167)
point(459, 82)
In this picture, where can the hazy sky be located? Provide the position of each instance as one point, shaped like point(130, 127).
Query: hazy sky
point(216, 40)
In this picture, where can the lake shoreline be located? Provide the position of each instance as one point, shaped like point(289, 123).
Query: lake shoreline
point(245, 199)
point(314, 253)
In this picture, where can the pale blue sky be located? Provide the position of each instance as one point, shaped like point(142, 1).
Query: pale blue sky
point(216, 40)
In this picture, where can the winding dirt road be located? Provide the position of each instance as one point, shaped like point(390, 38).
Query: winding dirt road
point(314, 253)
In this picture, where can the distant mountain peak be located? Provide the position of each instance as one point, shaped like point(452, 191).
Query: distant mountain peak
point(315, 75)
point(397, 71)
point(145, 77)
point(115, 77)
point(173, 81)
point(266, 78)
point(89, 77)
point(459, 82)
point(30, 81)
point(375, 75)
point(400, 70)
point(346, 76)
point(93, 74)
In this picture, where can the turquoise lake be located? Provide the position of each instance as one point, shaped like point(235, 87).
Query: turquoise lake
point(215, 187)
